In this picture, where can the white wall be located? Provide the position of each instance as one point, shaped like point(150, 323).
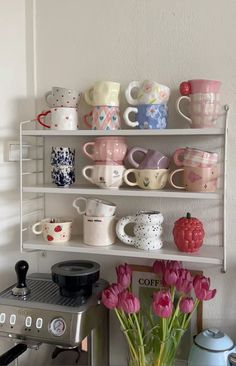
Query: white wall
point(78, 42)
point(14, 106)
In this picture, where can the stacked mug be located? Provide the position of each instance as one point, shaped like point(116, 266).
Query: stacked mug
point(108, 154)
point(199, 168)
point(64, 109)
point(98, 220)
point(204, 102)
point(151, 105)
point(149, 173)
point(63, 166)
point(104, 99)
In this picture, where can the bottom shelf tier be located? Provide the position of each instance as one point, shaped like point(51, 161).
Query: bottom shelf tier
point(208, 254)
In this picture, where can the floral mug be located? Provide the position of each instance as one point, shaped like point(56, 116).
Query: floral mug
point(149, 92)
point(148, 116)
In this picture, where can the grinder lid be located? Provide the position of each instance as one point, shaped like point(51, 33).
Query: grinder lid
point(76, 268)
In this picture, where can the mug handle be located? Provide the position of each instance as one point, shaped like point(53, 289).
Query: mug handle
point(129, 98)
point(171, 178)
point(42, 116)
point(179, 110)
point(89, 167)
point(88, 96)
point(131, 160)
point(37, 232)
point(177, 155)
point(125, 177)
point(126, 116)
point(47, 95)
point(120, 230)
point(85, 151)
point(80, 212)
point(85, 119)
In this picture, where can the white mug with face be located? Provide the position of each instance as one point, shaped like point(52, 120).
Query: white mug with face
point(105, 176)
point(94, 207)
point(62, 97)
point(61, 119)
point(54, 231)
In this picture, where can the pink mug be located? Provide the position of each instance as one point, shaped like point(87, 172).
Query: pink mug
point(197, 179)
point(110, 148)
point(204, 102)
point(195, 158)
point(103, 118)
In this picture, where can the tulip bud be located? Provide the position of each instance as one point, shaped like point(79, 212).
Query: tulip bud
point(162, 304)
point(186, 305)
point(128, 302)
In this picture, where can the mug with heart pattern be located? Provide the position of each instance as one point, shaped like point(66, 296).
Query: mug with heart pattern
point(54, 231)
point(103, 118)
point(62, 97)
point(61, 118)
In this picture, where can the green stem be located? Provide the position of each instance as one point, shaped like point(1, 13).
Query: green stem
point(175, 313)
point(126, 334)
point(140, 340)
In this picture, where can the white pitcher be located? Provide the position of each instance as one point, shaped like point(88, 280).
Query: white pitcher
point(147, 230)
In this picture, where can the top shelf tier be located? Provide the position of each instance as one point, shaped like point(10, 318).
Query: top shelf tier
point(164, 132)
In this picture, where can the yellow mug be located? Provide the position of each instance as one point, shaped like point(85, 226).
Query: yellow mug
point(103, 93)
point(147, 178)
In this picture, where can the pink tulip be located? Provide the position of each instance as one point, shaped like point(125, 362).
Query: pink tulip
point(173, 265)
point(162, 304)
point(170, 277)
point(128, 302)
point(184, 283)
point(186, 305)
point(110, 296)
point(202, 288)
point(158, 267)
point(124, 275)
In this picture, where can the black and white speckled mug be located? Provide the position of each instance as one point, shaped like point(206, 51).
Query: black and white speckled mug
point(147, 230)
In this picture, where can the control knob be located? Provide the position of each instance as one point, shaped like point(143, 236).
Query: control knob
point(57, 327)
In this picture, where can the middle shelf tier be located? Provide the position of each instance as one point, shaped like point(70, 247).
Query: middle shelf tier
point(208, 254)
point(122, 192)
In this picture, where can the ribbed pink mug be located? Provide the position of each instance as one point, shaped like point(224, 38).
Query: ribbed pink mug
point(194, 157)
point(204, 102)
point(106, 149)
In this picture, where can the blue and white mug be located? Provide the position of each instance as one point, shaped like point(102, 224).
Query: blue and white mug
point(148, 116)
point(63, 175)
point(62, 156)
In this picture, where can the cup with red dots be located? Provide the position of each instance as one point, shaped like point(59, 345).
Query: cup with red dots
point(54, 230)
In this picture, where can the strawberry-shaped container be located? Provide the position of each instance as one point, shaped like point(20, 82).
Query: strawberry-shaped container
point(188, 234)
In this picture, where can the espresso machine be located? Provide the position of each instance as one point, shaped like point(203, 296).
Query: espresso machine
point(62, 309)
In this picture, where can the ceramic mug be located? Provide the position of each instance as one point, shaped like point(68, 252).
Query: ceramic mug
point(54, 230)
point(62, 97)
point(61, 118)
point(204, 109)
point(106, 149)
point(62, 156)
point(99, 231)
point(197, 86)
point(103, 118)
point(194, 157)
point(153, 159)
point(149, 92)
point(147, 178)
point(103, 93)
point(149, 116)
point(105, 176)
point(197, 179)
point(63, 175)
point(94, 207)
point(147, 230)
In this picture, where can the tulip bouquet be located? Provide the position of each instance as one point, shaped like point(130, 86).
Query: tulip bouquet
point(153, 336)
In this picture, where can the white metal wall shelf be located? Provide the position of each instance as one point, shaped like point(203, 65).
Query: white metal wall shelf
point(37, 190)
point(209, 254)
point(122, 192)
